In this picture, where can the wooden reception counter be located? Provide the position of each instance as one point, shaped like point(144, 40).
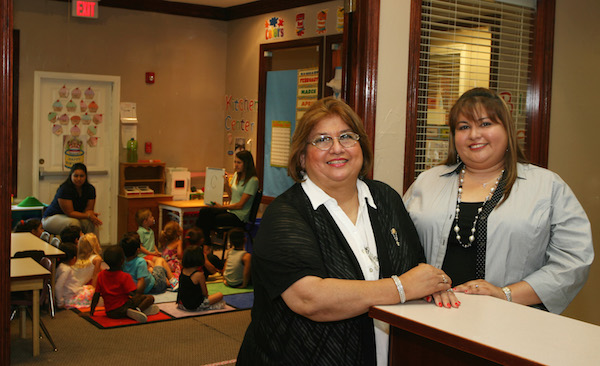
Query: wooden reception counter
point(486, 330)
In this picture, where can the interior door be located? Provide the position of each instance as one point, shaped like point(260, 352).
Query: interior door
point(76, 120)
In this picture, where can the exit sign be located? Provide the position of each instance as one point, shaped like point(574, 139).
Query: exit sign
point(85, 9)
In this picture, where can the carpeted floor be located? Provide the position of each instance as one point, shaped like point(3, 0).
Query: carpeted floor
point(210, 339)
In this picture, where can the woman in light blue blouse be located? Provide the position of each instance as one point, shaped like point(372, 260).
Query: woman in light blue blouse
point(241, 189)
point(495, 224)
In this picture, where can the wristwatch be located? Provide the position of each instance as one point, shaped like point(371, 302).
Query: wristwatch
point(507, 293)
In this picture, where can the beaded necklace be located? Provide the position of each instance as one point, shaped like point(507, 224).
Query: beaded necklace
point(458, 201)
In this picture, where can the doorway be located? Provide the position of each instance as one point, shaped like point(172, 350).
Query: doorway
point(292, 75)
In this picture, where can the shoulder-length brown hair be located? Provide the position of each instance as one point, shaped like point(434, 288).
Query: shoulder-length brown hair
point(468, 105)
point(321, 109)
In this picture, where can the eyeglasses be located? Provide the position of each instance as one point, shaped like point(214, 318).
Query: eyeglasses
point(325, 142)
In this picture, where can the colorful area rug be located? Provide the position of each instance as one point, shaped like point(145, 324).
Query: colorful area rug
point(240, 301)
point(101, 321)
point(171, 309)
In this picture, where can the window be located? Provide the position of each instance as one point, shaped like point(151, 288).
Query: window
point(459, 45)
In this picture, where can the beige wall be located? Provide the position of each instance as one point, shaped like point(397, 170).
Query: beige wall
point(574, 121)
point(180, 114)
point(574, 127)
point(243, 45)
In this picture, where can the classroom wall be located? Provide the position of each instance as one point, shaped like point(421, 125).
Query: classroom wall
point(243, 47)
point(573, 120)
point(574, 127)
point(180, 114)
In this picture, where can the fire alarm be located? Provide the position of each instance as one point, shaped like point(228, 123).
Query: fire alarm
point(149, 78)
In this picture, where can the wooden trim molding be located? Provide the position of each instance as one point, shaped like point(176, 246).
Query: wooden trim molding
point(208, 12)
point(361, 52)
point(412, 95)
point(6, 168)
point(539, 93)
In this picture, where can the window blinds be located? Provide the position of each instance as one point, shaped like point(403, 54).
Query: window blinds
point(467, 44)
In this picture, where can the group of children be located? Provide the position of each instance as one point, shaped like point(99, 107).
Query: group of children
point(137, 269)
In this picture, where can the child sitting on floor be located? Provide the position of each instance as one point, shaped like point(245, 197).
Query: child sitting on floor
point(32, 225)
point(116, 286)
point(171, 245)
point(212, 263)
point(145, 220)
point(89, 259)
point(193, 294)
point(70, 293)
point(148, 280)
point(70, 234)
point(236, 271)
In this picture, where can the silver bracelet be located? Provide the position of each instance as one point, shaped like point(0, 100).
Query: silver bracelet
point(507, 293)
point(400, 289)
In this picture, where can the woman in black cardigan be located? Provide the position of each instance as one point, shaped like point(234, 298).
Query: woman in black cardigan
point(329, 248)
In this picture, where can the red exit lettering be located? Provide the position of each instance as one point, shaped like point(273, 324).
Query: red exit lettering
point(85, 9)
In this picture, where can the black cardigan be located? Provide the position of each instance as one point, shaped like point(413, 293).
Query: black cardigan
point(295, 241)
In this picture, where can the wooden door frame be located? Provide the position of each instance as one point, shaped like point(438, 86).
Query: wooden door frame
point(6, 173)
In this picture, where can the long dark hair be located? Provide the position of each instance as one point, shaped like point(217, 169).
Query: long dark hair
point(249, 169)
point(497, 111)
point(76, 166)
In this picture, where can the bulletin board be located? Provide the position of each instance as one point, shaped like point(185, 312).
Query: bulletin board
point(280, 106)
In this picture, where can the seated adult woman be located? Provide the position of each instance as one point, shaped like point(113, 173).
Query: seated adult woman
point(497, 225)
point(241, 189)
point(73, 204)
point(330, 247)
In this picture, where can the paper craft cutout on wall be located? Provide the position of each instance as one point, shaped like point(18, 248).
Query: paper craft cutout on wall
point(93, 107)
point(300, 24)
point(93, 141)
point(75, 120)
point(75, 131)
point(274, 28)
point(57, 106)
point(92, 130)
point(63, 119)
point(71, 106)
point(322, 21)
point(89, 93)
point(339, 23)
point(97, 118)
point(57, 130)
point(76, 93)
point(73, 148)
point(82, 106)
point(52, 116)
point(86, 119)
point(63, 92)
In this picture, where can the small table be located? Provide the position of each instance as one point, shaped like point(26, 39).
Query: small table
point(180, 207)
point(28, 275)
point(20, 242)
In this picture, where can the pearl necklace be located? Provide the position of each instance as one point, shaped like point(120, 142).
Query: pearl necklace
point(458, 200)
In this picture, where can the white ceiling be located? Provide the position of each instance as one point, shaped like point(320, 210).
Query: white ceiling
point(216, 3)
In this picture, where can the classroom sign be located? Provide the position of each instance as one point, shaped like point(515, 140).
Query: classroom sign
point(307, 90)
